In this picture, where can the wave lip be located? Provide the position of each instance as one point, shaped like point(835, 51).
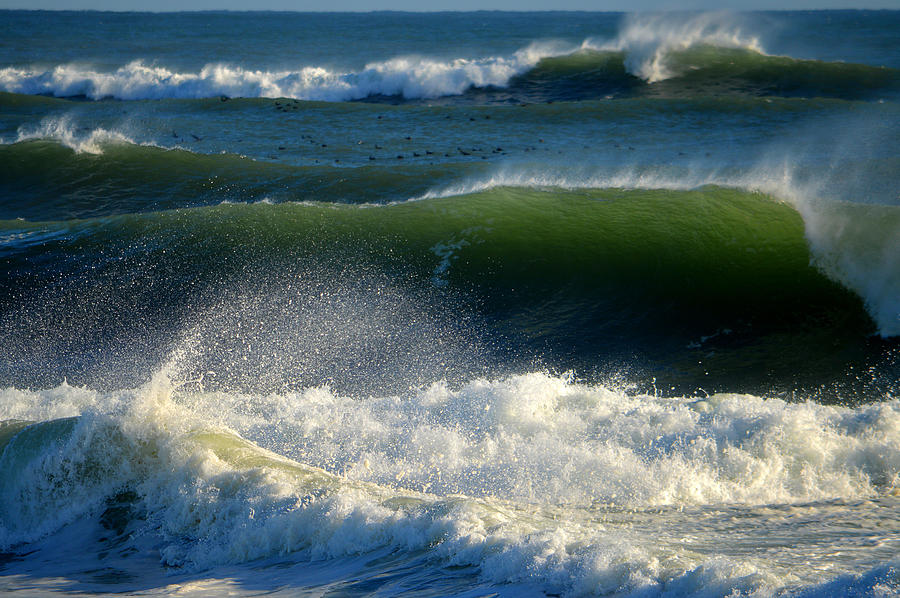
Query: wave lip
point(65, 132)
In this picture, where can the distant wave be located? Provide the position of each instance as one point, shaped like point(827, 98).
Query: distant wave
point(58, 169)
point(402, 76)
point(703, 54)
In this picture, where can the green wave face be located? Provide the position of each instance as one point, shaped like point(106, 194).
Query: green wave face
point(582, 75)
point(576, 277)
point(738, 70)
point(703, 71)
point(650, 238)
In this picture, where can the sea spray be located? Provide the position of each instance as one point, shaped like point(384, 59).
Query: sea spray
point(65, 132)
point(649, 40)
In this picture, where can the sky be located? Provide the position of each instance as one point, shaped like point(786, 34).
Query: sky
point(419, 5)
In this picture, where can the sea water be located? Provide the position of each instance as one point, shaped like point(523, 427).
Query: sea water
point(470, 304)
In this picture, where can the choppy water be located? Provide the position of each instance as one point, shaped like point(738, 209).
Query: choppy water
point(455, 304)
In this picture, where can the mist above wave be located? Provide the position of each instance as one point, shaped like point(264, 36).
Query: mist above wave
point(648, 40)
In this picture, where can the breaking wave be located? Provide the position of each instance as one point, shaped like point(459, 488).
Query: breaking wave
point(530, 479)
point(705, 54)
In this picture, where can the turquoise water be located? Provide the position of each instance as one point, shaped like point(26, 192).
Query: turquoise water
point(450, 304)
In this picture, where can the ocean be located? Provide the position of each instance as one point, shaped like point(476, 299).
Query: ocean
point(450, 304)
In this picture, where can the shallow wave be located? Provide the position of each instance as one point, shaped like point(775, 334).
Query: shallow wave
point(59, 171)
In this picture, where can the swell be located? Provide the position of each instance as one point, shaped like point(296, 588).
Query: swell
point(577, 277)
point(104, 175)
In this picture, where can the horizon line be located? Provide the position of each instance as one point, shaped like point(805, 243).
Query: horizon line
point(444, 10)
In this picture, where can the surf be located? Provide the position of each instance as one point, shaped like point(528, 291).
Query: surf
point(473, 481)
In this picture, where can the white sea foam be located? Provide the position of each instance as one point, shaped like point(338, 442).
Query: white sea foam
point(532, 479)
point(537, 438)
point(410, 77)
